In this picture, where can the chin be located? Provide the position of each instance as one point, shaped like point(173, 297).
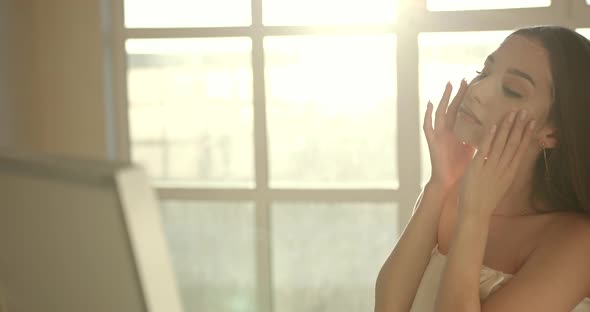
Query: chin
point(468, 134)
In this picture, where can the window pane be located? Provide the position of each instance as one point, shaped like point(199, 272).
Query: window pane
point(213, 248)
point(584, 31)
point(190, 109)
point(449, 57)
point(309, 12)
point(461, 5)
point(186, 13)
point(326, 257)
point(332, 110)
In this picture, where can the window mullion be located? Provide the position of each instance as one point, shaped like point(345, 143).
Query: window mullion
point(120, 120)
point(244, 194)
point(263, 234)
point(408, 117)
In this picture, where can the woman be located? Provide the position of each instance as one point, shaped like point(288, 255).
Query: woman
point(503, 223)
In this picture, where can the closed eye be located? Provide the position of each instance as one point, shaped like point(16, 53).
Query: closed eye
point(511, 93)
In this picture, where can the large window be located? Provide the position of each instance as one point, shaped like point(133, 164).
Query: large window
point(284, 137)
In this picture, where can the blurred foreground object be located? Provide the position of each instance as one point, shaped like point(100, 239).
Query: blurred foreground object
point(81, 235)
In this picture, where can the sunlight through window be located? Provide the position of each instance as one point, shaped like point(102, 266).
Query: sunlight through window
point(317, 12)
point(464, 5)
point(585, 32)
point(183, 13)
point(332, 110)
point(190, 110)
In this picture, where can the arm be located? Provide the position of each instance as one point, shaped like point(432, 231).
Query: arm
point(400, 276)
point(459, 285)
point(488, 177)
point(402, 272)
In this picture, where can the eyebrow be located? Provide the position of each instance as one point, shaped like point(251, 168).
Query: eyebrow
point(514, 71)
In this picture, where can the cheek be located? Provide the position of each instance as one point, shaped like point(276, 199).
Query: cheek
point(468, 133)
point(495, 120)
point(499, 113)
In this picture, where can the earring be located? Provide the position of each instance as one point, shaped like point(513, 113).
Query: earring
point(546, 163)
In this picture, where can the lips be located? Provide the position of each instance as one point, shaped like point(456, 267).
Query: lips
point(469, 113)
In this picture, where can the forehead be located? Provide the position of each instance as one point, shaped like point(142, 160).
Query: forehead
point(526, 55)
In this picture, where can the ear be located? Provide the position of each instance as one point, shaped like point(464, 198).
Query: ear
point(548, 136)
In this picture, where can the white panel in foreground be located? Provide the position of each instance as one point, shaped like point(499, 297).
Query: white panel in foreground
point(69, 240)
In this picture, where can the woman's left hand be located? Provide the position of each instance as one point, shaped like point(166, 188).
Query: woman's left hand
point(492, 170)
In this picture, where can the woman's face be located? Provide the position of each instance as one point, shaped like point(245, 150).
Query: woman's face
point(516, 76)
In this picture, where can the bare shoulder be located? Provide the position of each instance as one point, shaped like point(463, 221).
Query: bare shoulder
point(567, 241)
point(545, 233)
point(565, 230)
point(570, 227)
point(578, 231)
point(555, 276)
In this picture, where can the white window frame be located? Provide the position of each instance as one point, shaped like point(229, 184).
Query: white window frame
point(414, 20)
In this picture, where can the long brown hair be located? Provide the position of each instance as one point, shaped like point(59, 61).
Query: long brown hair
point(566, 185)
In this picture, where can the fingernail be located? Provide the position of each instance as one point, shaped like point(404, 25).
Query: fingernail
point(532, 124)
point(511, 116)
point(523, 115)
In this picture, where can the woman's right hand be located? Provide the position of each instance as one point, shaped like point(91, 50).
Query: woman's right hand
point(449, 157)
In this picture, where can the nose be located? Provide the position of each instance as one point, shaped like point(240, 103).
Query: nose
point(480, 91)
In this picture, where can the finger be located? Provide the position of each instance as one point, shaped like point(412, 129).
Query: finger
point(500, 139)
point(514, 141)
point(484, 148)
point(427, 126)
point(526, 138)
point(441, 110)
point(454, 106)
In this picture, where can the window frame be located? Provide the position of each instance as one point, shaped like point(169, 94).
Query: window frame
point(415, 20)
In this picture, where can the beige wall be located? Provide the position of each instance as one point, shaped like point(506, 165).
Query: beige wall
point(16, 65)
point(54, 77)
point(69, 98)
